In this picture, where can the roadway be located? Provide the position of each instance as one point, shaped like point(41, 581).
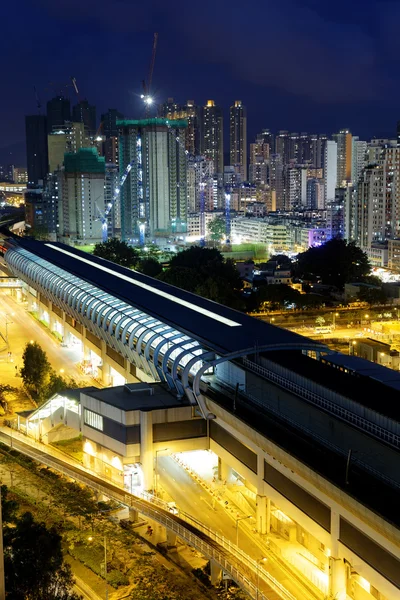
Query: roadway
point(188, 528)
point(21, 329)
point(193, 499)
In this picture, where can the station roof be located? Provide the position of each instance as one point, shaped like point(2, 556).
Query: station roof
point(136, 396)
point(220, 329)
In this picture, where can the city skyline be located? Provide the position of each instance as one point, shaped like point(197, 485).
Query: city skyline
point(347, 84)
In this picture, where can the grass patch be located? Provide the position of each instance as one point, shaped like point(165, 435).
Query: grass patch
point(72, 447)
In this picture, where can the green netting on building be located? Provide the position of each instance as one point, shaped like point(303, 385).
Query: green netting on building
point(86, 160)
point(176, 123)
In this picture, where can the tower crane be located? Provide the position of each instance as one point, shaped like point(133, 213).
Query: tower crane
point(147, 99)
point(104, 215)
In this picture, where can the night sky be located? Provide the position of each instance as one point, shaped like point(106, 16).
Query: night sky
point(302, 65)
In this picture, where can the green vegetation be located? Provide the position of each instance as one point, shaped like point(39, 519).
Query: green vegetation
point(92, 556)
point(217, 229)
point(149, 266)
point(117, 252)
point(335, 263)
point(36, 368)
point(38, 376)
point(259, 251)
point(33, 559)
point(203, 271)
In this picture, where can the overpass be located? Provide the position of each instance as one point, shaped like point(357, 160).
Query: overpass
point(312, 436)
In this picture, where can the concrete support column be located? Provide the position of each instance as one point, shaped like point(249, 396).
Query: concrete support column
point(106, 366)
point(261, 514)
point(133, 515)
point(216, 573)
point(86, 352)
point(52, 321)
point(171, 538)
point(268, 516)
point(146, 448)
point(337, 568)
point(224, 470)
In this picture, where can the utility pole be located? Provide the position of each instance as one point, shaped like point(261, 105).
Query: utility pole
point(2, 582)
point(105, 565)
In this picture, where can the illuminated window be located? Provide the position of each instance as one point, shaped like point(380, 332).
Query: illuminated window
point(93, 419)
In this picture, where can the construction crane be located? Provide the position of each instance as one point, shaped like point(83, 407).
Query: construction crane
point(104, 215)
point(75, 86)
point(146, 96)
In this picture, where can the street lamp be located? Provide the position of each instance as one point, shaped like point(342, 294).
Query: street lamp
point(260, 560)
point(334, 315)
point(237, 527)
point(156, 471)
point(8, 322)
point(90, 539)
point(353, 343)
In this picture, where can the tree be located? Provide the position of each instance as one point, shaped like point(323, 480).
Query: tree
point(33, 562)
point(5, 389)
point(277, 295)
point(149, 266)
point(217, 229)
point(204, 271)
point(372, 295)
point(320, 321)
point(117, 252)
point(36, 367)
point(8, 507)
point(56, 383)
point(181, 277)
point(335, 263)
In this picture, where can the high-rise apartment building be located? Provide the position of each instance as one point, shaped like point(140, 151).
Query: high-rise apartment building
point(259, 158)
point(315, 193)
point(276, 182)
point(109, 122)
point(212, 138)
point(85, 113)
point(398, 133)
point(189, 111)
point(58, 112)
point(282, 145)
point(36, 148)
point(238, 138)
point(70, 138)
point(359, 158)
point(154, 196)
point(377, 212)
point(81, 198)
point(295, 187)
point(200, 184)
point(344, 140)
point(330, 170)
point(111, 183)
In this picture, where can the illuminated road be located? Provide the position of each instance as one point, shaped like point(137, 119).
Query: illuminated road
point(192, 498)
point(23, 328)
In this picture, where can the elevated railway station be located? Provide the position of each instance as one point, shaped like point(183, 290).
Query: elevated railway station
point(314, 436)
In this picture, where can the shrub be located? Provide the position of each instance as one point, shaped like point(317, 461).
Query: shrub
point(116, 578)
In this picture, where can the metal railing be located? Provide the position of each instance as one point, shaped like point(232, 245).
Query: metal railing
point(344, 414)
point(242, 568)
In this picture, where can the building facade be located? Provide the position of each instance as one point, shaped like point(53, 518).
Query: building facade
point(36, 148)
point(58, 112)
point(154, 196)
point(85, 113)
point(212, 135)
point(81, 198)
point(238, 138)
